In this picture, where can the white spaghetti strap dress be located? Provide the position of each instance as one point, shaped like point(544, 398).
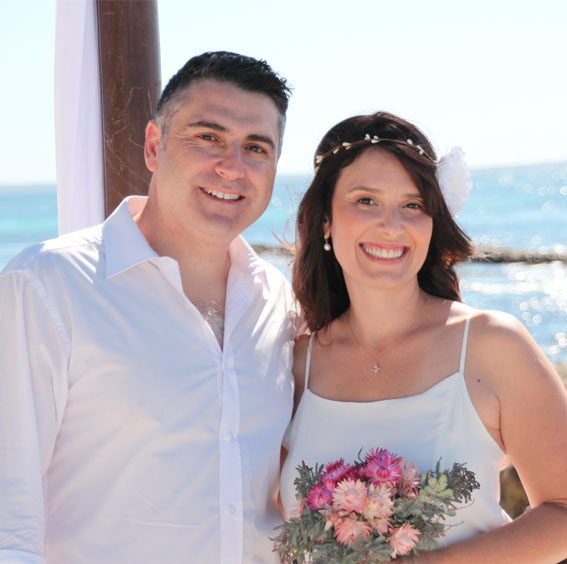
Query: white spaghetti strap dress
point(440, 423)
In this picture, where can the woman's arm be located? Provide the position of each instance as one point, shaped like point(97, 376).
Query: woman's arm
point(533, 430)
point(299, 359)
point(539, 536)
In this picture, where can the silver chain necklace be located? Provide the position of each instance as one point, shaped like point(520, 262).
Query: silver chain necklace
point(376, 367)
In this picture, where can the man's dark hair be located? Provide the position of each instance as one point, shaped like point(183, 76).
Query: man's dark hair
point(247, 73)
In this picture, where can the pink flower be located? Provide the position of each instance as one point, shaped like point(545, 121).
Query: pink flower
point(376, 454)
point(349, 495)
point(379, 507)
point(402, 539)
point(382, 467)
point(320, 496)
point(348, 531)
point(409, 480)
point(332, 518)
point(337, 471)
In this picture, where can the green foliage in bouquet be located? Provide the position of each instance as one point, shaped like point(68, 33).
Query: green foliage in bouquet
point(371, 511)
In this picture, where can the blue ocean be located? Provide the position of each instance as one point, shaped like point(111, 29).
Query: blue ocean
point(518, 209)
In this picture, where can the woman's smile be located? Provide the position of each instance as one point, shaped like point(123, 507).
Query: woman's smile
point(384, 252)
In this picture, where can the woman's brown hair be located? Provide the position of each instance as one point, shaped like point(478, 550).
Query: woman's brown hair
point(317, 278)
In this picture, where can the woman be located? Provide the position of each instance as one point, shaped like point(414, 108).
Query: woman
point(396, 360)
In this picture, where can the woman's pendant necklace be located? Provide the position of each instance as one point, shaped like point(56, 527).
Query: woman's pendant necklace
point(376, 366)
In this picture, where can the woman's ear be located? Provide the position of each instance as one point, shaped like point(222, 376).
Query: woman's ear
point(326, 227)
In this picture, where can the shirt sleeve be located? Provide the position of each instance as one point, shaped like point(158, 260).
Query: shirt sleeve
point(19, 557)
point(33, 363)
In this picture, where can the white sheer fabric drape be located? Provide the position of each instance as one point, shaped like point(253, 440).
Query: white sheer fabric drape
point(78, 129)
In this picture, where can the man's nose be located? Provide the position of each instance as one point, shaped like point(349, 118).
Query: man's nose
point(230, 165)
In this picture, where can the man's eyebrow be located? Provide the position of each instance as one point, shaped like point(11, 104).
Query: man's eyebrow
point(262, 139)
point(218, 127)
point(209, 124)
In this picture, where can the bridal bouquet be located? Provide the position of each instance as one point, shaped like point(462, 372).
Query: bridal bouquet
point(371, 511)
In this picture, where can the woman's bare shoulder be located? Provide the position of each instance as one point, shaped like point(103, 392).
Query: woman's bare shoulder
point(490, 326)
point(503, 350)
point(501, 333)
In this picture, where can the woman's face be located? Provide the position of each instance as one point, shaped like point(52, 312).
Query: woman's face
point(379, 228)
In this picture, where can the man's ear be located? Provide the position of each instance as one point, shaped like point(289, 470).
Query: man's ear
point(152, 145)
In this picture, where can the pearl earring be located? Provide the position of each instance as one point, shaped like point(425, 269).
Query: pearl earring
point(326, 245)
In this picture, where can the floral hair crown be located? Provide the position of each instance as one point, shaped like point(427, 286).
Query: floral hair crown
point(452, 172)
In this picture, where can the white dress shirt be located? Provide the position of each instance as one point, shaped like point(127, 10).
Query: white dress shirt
point(126, 434)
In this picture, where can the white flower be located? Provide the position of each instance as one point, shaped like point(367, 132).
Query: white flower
point(454, 179)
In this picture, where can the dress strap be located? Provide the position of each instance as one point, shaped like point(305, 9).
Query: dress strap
point(308, 360)
point(464, 347)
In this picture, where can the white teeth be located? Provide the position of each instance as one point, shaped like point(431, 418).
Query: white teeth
point(384, 253)
point(221, 195)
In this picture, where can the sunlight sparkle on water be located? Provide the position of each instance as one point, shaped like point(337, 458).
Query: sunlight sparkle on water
point(535, 293)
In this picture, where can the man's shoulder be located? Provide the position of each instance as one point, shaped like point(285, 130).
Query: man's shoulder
point(272, 271)
point(59, 250)
point(275, 278)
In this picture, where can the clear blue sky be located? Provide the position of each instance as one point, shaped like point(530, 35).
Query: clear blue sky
point(488, 75)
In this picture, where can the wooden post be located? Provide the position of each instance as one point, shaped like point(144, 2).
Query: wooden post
point(130, 73)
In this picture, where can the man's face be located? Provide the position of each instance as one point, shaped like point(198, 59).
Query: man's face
point(214, 171)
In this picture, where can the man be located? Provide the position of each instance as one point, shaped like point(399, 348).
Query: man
point(145, 364)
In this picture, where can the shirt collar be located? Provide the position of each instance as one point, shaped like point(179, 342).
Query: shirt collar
point(124, 243)
point(244, 259)
point(126, 247)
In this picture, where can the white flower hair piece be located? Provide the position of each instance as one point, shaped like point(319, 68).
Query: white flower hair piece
point(452, 172)
point(454, 178)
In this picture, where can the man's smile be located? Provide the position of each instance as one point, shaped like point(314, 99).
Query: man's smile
point(219, 195)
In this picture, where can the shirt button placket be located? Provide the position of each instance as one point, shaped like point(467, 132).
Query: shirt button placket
point(231, 495)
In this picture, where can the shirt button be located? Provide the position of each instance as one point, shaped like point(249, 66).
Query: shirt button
point(231, 509)
point(228, 437)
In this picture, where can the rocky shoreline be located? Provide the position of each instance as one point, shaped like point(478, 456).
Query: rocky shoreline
point(483, 253)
